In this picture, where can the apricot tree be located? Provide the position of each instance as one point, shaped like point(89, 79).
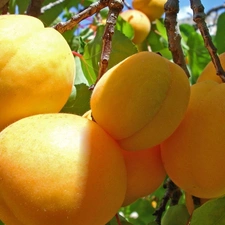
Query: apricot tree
point(190, 159)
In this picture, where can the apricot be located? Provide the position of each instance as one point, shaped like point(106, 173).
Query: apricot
point(209, 72)
point(141, 100)
point(139, 22)
point(193, 156)
point(59, 169)
point(37, 69)
point(153, 9)
point(145, 173)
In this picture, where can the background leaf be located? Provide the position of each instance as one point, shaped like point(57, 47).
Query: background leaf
point(122, 47)
point(210, 213)
point(220, 34)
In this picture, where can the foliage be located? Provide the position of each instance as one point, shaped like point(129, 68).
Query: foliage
point(86, 40)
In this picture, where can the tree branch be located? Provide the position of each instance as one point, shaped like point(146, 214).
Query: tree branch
point(34, 8)
point(171, 191)
point(199, 19)
point(4, 6)
point(171, 9)
point(89, 11)
point(115, 7)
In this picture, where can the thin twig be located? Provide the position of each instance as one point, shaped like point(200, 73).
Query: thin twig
point(215, 9)
point(127, 5)
point(87, 12)
point(50, 6)
point(115, 7)
point(171, 9)
point(199, 19)
point(34, 8)
point(171, 188)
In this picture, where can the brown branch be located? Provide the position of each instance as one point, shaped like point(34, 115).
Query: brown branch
point(34, 8)
point(215, 9)
point(87, 12)
point(199, 19)
point(171, 9)
point(115, 7)
point(4, 6)
point(171, 191)
point(50, 6)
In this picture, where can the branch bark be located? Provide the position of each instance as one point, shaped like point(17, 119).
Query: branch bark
point(171, 191)
point(89, 11)
point(171, 9)
point(34, 8)
point(115, 7)
point(199, 19)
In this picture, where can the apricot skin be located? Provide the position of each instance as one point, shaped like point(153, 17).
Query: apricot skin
point(59, 169)
point(209, 72)
point(140, 23)
point(37, 69)
point(145, 173)
point(193, 156)
point(141, 100)
point(153, 9)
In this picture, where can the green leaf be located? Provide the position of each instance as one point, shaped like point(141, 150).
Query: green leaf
point(53, 12)
point(81, 103)
point(157, 42)
point(220, 34)
point(176, 215)
point(210, 213)
point(1, 223)
point(186, 30)
point(18, 6)
point(139, 213)
point(198, 55)
point(123, 221)
point(122, 47)
point(125, 27)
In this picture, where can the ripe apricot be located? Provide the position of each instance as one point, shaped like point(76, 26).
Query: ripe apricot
point(141, 100)
point(153, 9)
point(140, 23)
point(59, 169)
point(37, 68)
point(209, 72)
point(145, 173)
point(193, 156)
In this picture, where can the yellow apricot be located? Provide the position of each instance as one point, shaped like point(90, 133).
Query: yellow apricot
point(193, 156)
point(209, 72)
point(59, 169)
point(140, 23)
point(153, 9)
point(37, 69)
point(141, 100)
point(145, 173)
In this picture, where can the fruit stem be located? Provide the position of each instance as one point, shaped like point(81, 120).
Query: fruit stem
point(118, 219)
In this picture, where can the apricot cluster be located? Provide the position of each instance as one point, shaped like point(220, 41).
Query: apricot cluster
point(193, 156)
